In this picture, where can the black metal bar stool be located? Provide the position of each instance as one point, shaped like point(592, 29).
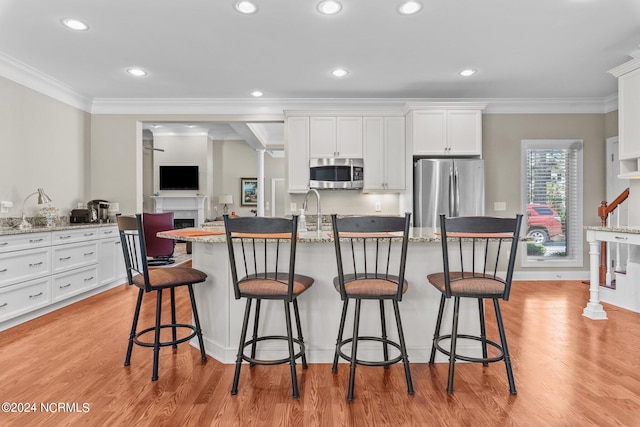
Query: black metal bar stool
point(156, 280)
point(473, 249)
point(375, 247)
point(258, 248)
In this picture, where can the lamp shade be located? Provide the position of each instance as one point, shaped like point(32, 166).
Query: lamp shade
point(225, 199)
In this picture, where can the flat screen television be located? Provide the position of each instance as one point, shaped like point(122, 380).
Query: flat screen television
point(179, 178)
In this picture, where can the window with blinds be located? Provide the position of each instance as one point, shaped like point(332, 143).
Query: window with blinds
point(552, 200)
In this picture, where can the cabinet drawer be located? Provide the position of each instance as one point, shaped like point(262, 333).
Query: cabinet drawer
point(25, 297)
point(20, 266)
point(68, 284)
point(109, 232)
point(16, 242)
point(71, 236)
point(66, 257)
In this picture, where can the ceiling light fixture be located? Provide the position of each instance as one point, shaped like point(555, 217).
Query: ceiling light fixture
point(246, 7)
point(410, 7)
point(137, 72)
point(257, 93)
point(74, 24)
point(468, 72)
point(329, 7)
point(339, 72)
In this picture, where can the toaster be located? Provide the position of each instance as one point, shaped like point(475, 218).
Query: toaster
point(80, 216)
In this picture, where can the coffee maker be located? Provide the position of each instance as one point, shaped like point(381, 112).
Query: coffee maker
point(98, 210)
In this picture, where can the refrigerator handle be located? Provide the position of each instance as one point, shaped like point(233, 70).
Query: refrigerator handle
point(452, 203)
point(456, 193)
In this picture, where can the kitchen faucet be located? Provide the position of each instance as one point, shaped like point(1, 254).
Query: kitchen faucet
point(318, 214)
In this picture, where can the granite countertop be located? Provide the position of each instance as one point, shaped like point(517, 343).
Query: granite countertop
point(619, 229)
point(6, 231)
point(417, 235)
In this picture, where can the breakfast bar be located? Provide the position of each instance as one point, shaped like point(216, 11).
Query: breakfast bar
point(320, 307)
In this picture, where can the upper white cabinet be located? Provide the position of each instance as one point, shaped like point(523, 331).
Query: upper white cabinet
point(628, 75)
point(445, 130)
point(335, 137)
point(384, 153)
point(297, 152)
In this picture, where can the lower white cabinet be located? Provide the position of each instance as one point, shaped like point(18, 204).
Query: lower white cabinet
point(39, 269)
point(74, 282)
point(24, 297)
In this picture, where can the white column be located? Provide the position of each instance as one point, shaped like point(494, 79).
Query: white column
point(260, 182)
point(594, 309)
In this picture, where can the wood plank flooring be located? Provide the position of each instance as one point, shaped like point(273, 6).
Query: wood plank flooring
point(569, 370)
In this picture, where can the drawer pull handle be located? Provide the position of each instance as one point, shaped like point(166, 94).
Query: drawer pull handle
point(35, 264)
point(36, 295)
point(35, 240)
point(64, 237)
point(88, 253)
point(620, 238)
point(117, 243)
point(3, 270)
point(88, 234)
point(65, 286)
point(4, 305)
point(4, 243)
point(88, 279)
point(65, 258)
point(108, 232)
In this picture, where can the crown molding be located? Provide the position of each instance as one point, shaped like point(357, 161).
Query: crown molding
point(28, 76)
point(625, 68)
point(611, 103)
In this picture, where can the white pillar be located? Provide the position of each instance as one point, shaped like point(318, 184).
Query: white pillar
point(260, 182)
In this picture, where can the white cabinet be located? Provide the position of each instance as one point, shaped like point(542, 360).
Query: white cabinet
point(384, 153)
point(297, 143)
point(628, 75)
point(335, 137)
point(38, 269)
point(445, 132)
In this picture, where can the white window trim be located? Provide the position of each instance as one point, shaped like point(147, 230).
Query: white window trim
point(576, 260)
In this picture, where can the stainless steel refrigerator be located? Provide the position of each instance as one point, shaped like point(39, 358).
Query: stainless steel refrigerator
point(454, 187)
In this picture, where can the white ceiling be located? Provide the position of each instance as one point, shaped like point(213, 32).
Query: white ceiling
point(204, 49)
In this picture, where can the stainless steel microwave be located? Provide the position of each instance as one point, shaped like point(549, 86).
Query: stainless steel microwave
point(336, 173)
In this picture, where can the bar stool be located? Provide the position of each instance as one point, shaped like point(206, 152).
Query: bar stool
point(258, 249)
point(473, 248)
point(373, 246)
point(156, 280)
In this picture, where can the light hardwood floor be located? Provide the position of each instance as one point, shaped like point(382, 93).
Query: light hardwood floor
point(569, 370)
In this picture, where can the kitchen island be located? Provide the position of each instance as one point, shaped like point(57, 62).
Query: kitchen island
point(320, 307)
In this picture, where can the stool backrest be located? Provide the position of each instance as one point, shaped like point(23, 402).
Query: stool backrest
point(134, 248)
point(153, 223)
point(475, 246)
point(251, 257)
point(371, 247)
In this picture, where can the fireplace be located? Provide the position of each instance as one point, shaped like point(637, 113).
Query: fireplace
point(179, 223)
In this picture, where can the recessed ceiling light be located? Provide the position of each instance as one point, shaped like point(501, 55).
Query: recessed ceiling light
point(409, 7)
point(339, 72)
point(246, 7)
point(156, 126)
point(257, 93)
point(74, 24)
point(468, 72)
point(137, 72)
point(329, 7)
point(191, 126)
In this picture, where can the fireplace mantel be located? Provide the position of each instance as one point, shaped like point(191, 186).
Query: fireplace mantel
point(182, 206)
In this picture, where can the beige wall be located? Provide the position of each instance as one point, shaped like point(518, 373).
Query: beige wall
point(502, 135)
point(611, 124)
point(45, 143)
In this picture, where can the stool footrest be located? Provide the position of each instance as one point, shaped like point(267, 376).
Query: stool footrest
point(371, 362)
point(493, 344)
point(272, 361)
point(136, 338)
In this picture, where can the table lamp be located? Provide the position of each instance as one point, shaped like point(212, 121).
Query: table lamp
point(42, 199)
point(225, 199)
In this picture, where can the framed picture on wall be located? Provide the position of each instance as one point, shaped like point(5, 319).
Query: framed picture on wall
point(248, 191)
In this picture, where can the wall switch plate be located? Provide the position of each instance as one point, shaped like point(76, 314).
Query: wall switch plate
point(499, 206)
point(5, 205)
point(378, 206)
point(293, 207)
